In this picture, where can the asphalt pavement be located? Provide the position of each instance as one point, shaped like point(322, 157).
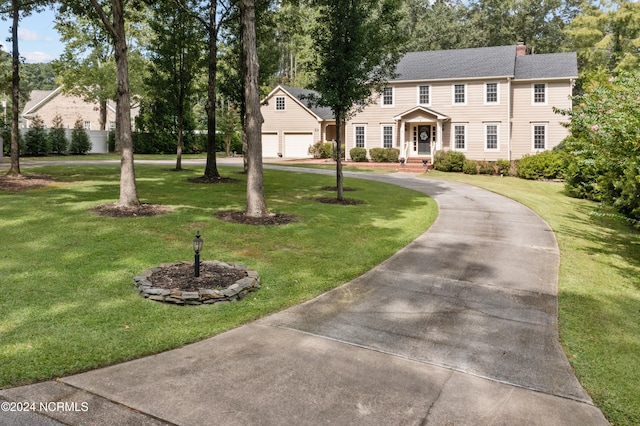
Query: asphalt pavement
point(457, 328)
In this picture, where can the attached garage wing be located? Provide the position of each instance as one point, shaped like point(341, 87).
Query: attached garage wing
point(296, 145)
point(270, 145)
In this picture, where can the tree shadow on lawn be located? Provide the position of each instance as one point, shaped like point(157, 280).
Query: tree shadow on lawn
point(612, 237)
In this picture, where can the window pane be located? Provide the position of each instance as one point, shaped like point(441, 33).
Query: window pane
point(387, 137)
point(492, 137)
point(360, 136)
point(424, 94)
point(539, 137)
point(539, 93)
point(387, 96)
point(459, 94)
point(280, 103)
point(492, 92)
point(459, 132)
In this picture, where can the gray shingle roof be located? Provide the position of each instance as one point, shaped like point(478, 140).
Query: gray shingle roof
point(500, 61)
point(457, 64)
point(303, 96)
point(552, 65)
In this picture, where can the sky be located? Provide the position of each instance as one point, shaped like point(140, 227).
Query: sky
point(38, 40)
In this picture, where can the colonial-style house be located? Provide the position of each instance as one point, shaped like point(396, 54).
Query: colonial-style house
point(490, 103)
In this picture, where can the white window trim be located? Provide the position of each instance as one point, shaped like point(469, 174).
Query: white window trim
point(355, 126)
point(453, 135)
point(497, 148)
point(418, 94)
point(393, 135)
point(284, 102)
point(393, 97)
point(533, 137)
point(453, 94)
point(533, 94)
point(497, 102)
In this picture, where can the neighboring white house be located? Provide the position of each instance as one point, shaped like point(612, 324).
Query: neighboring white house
point(490, 103)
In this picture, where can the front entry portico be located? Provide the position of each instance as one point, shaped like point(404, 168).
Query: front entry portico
point(420, 133)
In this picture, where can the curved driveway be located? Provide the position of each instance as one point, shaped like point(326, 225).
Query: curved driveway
point(458, 328)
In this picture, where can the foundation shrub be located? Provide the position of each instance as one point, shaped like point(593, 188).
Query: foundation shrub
point(449, 161)
point(358, 154)
point(545, 165)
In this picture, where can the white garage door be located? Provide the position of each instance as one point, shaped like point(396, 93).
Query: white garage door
point(270, 145)
point(296, 145)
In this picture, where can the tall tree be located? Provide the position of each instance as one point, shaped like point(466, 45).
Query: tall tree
point(87, 66)
point(176, 54)
point(358, 43)
point(252, 128)
point(607, 40)
point(16, 9)
point(115, 26)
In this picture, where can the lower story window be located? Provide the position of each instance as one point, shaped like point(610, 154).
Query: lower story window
point(359, 136)
point(460, 140)
point(539, 137)
point(492, 136)
point(387, 136)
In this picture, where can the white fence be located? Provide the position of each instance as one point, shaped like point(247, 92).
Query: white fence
point(98, 140)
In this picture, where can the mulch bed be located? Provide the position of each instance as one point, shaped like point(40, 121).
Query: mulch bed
point(335, 188)
point(205, 179)
point(241, 217)
point(114, 210)
point(344, 202)
point(180, 277)
point(22, 182)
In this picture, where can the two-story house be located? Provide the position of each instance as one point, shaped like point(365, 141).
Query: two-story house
point(490, 103)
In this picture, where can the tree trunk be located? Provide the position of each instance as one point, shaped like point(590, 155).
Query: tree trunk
point(15, 94)
point(211, 168)
point(103, 114)
point(256, 204)
point(128, 190)
point(339, 177)
point(180, 142)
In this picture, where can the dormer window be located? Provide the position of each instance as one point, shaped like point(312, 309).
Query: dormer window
point(280, 103)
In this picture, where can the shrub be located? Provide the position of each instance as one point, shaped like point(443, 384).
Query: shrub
point(545, 165)
point(111, 141)
point(448, 161)
point(36, 140)
point(470, 167)
point(504, 167)
point(384, 155)
point(486, 168)
point(80, 143)
point(321, 150)
point(358, 154)
point(57, 136)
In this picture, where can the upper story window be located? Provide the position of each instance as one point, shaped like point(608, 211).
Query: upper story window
point(539, 93)
point(459, 94)
point(87, 125)
point(387, 136)
point(359, 135)
point(460, 137)
point(387, 96)
point(491, 93)
point(424, 95)
point(112, 125)
point(280, 103)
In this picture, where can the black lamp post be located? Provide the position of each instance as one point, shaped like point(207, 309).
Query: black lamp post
point(197, 247)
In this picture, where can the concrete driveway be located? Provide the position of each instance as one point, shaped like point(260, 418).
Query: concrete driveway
point(458, 328)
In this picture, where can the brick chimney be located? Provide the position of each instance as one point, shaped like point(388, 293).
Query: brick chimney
point(521, 49)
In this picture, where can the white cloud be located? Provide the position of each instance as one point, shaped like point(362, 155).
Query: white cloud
point(25, 34)
point(37, 57)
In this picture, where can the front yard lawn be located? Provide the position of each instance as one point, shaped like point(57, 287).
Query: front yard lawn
point(68, 303)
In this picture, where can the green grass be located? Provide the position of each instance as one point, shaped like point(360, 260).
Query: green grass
point(599, 290)
point(68, 303)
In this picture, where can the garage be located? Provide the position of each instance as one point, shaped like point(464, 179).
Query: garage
point(296, 145)
point(270, 145)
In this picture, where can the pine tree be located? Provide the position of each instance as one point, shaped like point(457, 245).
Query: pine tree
point(36, 138)
point(57, 136)
point(80, 143)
